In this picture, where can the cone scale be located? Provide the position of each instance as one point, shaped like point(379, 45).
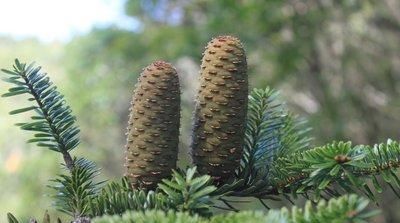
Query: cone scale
point(221, 105)
point(153, 127)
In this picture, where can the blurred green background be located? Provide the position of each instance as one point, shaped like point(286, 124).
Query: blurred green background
point(335, 62)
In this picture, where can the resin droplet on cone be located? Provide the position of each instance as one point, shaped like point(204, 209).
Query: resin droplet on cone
point(153, 128)
point(221, 106)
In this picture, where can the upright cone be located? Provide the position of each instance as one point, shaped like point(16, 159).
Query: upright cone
point(153, 130)
point(221, 105)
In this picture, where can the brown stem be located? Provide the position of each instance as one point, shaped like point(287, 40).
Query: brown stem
point(69, 163)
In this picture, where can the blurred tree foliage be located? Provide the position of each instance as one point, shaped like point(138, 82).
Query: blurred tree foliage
point(338, 62)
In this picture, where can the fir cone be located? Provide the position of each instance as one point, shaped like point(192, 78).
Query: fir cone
point(153, 130)
point(221, 106)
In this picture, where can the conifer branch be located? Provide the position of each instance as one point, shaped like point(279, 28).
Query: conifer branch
point(117, 198)
point(189, 192)
point(339, 164)
point(278, 161)
point(76, 190)
point(348, 208)
point(185, 191)
point(271, 132)
point(53, 123)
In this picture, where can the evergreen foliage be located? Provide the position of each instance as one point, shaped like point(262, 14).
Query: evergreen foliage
point(339, 164)
point(11, 218)
point(271, 132)
point(185, 192)
point(348, 208)
point(53, 122)
point(189, 193)
point(75, 190)
point(117, 198)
